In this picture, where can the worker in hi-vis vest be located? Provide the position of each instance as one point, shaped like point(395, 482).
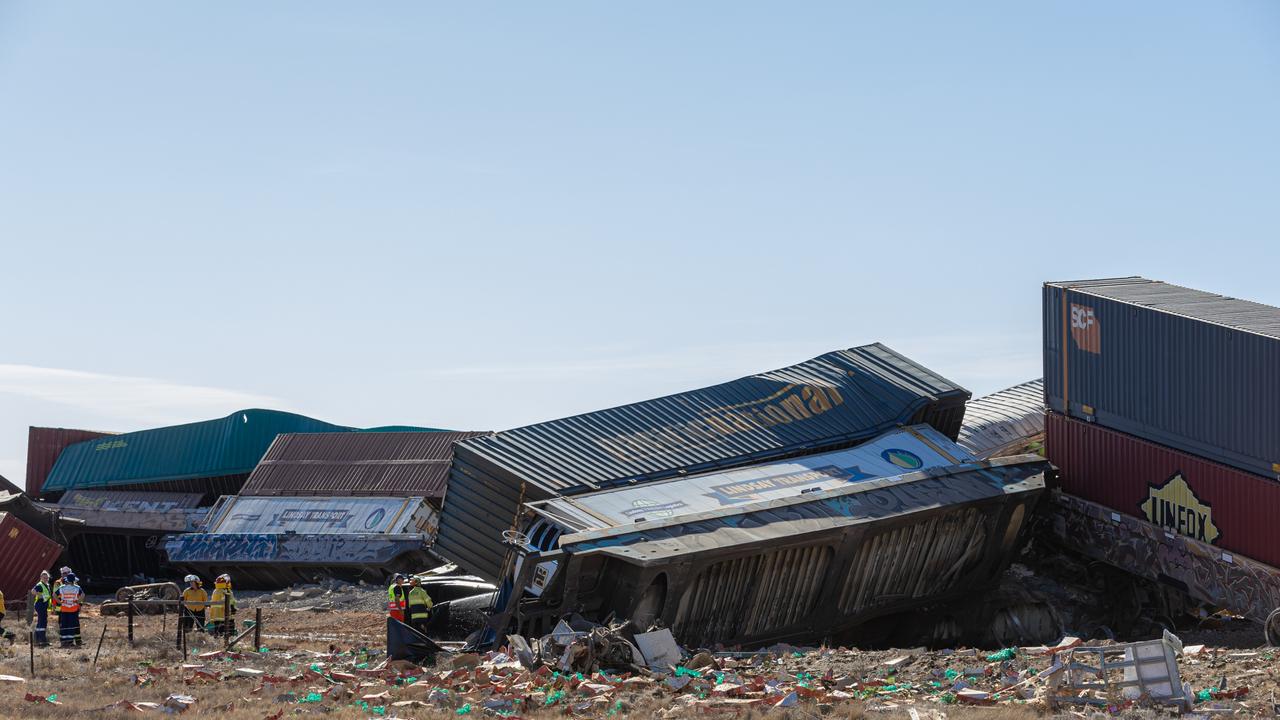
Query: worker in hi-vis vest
point(70, 598)
point(396, 596)
point(418, 606)
point(41, 596)
point(194, 602)
point(222, 607)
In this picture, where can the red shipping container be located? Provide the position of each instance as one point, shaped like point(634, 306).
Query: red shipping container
point(1182, 493)
point(43, 447)
point(23, 554)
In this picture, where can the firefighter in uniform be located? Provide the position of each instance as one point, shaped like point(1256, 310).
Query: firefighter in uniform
point(222, 607)
point(418, 606)
point(194, 601)
point(70, 597)
point(396, 597)
point(40, 597)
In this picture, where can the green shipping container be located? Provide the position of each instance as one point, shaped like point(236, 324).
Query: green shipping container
point(226, 447)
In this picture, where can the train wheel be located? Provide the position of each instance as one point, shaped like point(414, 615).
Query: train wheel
point(1271, 628)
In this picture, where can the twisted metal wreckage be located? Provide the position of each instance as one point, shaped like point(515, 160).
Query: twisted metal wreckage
point(795, 551)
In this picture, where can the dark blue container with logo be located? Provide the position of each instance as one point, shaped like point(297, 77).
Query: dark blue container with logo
point(1191, 370)
point(836, 400)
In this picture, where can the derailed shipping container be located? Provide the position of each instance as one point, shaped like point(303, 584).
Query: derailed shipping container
point(1188, 369)
point(396, 464)
point(23, 554)
point(1004, 421)
point(212, 457)
point(1176, 491)
point(806, 567)
point(270, 542)
point(111, 535)
point(836, 400)
point(44, 445)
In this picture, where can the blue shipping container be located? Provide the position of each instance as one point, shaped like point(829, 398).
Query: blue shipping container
point(836, 400)
point(1191, 370)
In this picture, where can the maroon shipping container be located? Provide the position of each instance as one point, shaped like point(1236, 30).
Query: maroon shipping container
point(1185, 494)
point(23, 554)
point(43, 447)
point(397, 464)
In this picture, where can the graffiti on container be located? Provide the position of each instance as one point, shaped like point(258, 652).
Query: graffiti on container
point(247, 547)
point(1175, 507)
point(1210, 575)
point(98, 502)
point(204, 547)
point(343, 549)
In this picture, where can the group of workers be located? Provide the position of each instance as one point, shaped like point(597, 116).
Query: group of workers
point(221, 606)
point(63, 599)
point(408, 602)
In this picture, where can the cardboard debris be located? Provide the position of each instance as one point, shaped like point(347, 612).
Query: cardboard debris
point(659, 649)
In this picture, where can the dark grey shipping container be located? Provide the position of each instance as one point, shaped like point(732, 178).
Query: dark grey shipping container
point(1192, 370)
point(835, 400)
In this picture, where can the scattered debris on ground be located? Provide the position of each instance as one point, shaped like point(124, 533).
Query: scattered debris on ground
point(338, 668)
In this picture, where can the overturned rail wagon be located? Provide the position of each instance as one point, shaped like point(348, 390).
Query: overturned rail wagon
point(270, 542)
point(833, 401)
point(802, 550)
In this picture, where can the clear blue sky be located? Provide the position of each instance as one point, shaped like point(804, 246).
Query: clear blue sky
point(480, 215)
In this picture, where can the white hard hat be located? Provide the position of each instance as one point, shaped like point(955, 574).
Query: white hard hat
point(191, 578)
point(65, 570)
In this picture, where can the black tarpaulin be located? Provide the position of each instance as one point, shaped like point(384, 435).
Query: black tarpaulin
point(405, 643)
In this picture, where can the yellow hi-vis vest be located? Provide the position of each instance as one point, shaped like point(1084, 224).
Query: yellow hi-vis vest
point(218, 603)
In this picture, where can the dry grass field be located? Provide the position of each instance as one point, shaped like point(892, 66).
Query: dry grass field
point(320, 664)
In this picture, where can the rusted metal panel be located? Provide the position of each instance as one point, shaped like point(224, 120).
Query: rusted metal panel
point(43, 447)
point(1211, 502)
point(401, 464)
point(23, 554)
point(1003, 421)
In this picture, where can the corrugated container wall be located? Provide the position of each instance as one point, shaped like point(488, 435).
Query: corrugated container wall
point(400, 464)
point(833, 401)
point(44, 445)
point(1185, 494)
point(1003, 421)
point(225, 448)
point(23, 554)
point(1189, 369)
